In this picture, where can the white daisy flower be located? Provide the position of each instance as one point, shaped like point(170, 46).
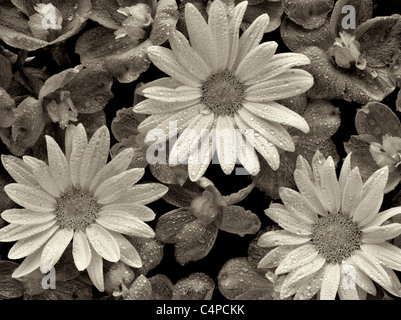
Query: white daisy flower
point(228, 83)
point(77, 197)
point(334, 238)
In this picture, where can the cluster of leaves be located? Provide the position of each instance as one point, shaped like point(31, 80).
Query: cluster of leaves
point(86, 71)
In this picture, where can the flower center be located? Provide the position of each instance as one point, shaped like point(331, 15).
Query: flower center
point(388, 154)
point(47, 22)
point(62, 112)
point(336, 237)
point(346, 52)
point(138, 19)
point(205, 207)
point(222, 93)
point(76, 210)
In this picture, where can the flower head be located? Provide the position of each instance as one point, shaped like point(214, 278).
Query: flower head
point(352, 54)
point(126, 30)
point(77, 197)
point(193, 227)
point(333, 232)
point(378, 143)
point(30, 25)
point(225, 83)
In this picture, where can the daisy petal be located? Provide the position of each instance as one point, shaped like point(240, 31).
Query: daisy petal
point(345, 172)
point(94, 157)
point(136, 210)
point(114, 187)
point(13, 232)
point(252, 37)
point(218, 25)
point(27, 246)
point(198, 163)
point(258, 141)
point(352, 193)
point(309, 191)
point(58, 164)
point(171, 127)
point(381, 217)
point(30, 263)
point(69, 134)
point(368, 264)
point(55, 247)
point(330, 187)
point(303, 166)
point(395, 288)
point(286, 85)
point(364, 282)
point(287, 221)
point(103, 242)
point(376, 177)
point(167, 82)
point(200, 35)
point(144, 193)
point(188, 142)
point(81, 250)
point(273, 132)
point(309, 286)
point(298, 206)
point(79, 144)
point(129, 255)
point(166, 61)
point(252, 62)
point(42, 174)
point(281, 238)
point(376, 234)
point(171, 124)
point(225, 143)
point(116, 166)
point(188, 57)
point(387, 254)
point(234, 26)
point(125, 223)
point(275, 112)
point(297, 258)
point(348, 293)
point(25, 216)
point(180, 94)
point(274, 257)
point(302, 272)
point(95, 270)
point(330, 282)
point(246, 153)
point(372, 201)
point(19, 170)
point(151, 106)
point(278, 64)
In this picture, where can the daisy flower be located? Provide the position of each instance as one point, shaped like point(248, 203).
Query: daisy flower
point(227, 84)
point(334, 238)
point(77, 197)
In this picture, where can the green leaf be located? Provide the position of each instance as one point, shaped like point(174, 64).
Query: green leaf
point(7, 109)
point(9, 287)
point(197, 286)
point(237, 279)
point(310, 14)
point(380, 39)
point(58, 81)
